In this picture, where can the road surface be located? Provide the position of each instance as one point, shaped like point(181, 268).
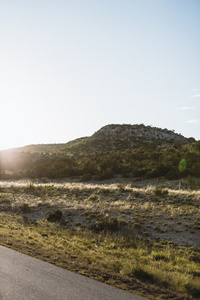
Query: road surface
point(26, 278)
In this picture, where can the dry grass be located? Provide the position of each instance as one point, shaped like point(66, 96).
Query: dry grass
point(174, 217)
point(146, 237)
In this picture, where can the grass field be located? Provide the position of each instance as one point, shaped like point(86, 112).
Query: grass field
point(144, 240)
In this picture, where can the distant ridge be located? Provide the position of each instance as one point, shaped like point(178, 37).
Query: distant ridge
point(112, 137)
point(35, 148)
point(127, 151)
point(139, 132)
point(119, 137)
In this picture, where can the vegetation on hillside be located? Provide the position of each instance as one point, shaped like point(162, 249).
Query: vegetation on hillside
point(150, 161)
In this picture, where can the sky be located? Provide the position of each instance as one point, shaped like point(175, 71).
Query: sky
point(68, 68)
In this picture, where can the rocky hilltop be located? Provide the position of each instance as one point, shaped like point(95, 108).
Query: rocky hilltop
point(120, 137)
point(136, 133)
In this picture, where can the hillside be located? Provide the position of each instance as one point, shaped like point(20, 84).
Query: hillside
point(46, 148)
point(114, 150)
point(111, 137)
point(121, 137)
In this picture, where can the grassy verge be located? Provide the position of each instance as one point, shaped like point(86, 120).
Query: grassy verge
point(109, 248)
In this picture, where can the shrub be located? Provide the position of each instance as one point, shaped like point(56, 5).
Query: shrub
point(192, 290)
point(158, 256)
point(106, 191)
point(105, 224)
point(137, 194)
point(158, 192)
point(55, 216)
point(195, 256)
point(121, 187)
point(143, 275)
point(25, 208)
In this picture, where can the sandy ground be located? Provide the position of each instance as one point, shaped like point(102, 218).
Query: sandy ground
point(175, 217)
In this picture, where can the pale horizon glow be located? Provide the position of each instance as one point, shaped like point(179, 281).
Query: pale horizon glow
point(193, 121)
point(187, 108)
point(67, 68)
point(196, 96)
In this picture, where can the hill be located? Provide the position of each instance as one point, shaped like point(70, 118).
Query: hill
point(114, 150)
point(110, 138)
point(121, 137)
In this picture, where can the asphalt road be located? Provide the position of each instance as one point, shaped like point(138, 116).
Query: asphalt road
point(26, 278)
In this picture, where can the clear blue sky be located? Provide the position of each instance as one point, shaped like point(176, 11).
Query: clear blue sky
point(67, 68)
